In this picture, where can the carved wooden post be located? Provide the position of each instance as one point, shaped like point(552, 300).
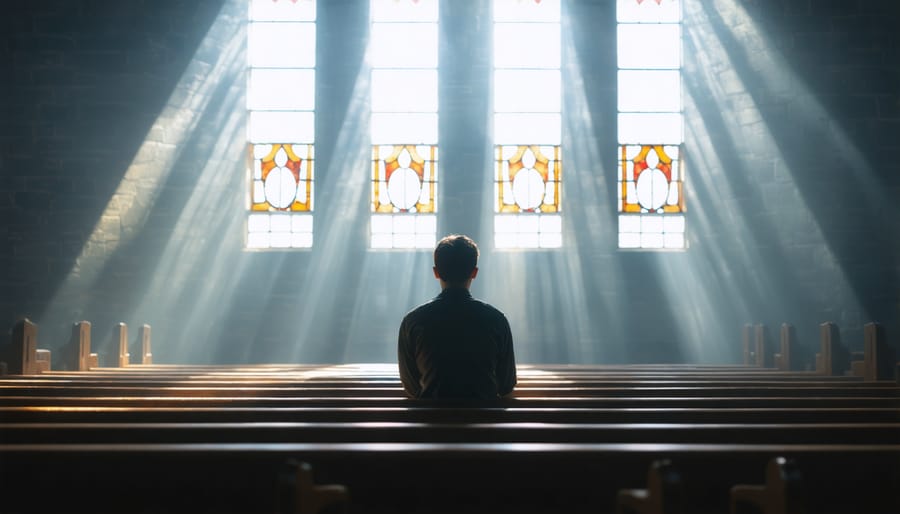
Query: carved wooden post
point(21, 355)
point(833, 358)
point(144, 336)
point(781, 494)
point(745, 340)
point(761, 345)
point(664, 493)
point(878, 355)
point(122, 334)
point(788, 341)
point(82, 331)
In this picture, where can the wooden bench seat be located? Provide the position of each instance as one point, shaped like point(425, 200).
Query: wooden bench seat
point(412, 477)
point(138, 414)
point(363, 401)
point(367, 431)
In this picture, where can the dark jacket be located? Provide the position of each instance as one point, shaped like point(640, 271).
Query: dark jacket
point(456, 347)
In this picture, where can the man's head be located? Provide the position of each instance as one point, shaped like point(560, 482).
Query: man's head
point(456, 260)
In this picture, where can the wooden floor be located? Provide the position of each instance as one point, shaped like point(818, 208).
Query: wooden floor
point(167, 438)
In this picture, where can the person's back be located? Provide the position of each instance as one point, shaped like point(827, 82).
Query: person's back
point(456, 346)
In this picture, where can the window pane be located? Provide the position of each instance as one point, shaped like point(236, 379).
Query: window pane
point(302, 10)
point(527, 90)
point(282, 45)
point(404, 90)
point(529, 10)
point(404, 178)
point(527, 128)
point(404, 10)
point(282, 89)
point(412, 128)
point(649, 90)
point(649, 46)
point(648, 11)
point(658, 128)
point(526, 45)
point(279, 231)
point(272, 127)
point(403, 45)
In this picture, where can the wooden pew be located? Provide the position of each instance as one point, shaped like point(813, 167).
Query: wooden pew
point(411, 477)
point(20, 354)
point(77, 355)
point(781, 494)
point(833, 358)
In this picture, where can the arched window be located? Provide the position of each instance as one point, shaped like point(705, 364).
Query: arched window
point(650, 125)
point(281, 50)
point(403, 55)
point(527, 124)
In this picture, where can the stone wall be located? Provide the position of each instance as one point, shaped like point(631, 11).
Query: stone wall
point(122, 185)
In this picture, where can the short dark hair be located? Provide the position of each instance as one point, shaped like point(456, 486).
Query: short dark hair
point(455, 256)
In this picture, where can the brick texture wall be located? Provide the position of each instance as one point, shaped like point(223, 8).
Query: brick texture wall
point(122, 185)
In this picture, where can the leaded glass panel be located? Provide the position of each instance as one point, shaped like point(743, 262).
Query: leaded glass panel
point(281, 77)
point(404, 178)
point(651, 200)
point(403, 54)
point(527, 124)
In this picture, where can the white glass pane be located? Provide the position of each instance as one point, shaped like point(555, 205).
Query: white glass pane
point(651, 224)
point(527, 91)
point(649, 90)
point(282, 89)
point(675, 240)
point(406, 240)
point(301, 223)
point(404, 10)
point(382, 224)
point(425, 240)
point(391, 128)
point(258, 223)
point(280, 239)
point(504, 224)
point(526, 45)
point(282, 45)
point(651, 128)
point(649, 46)
point(258, 240)
point(648, 11)
point(629, 240)
point(426, 224)
point(403, 45)
point(652, 241)
point(302, 10)
point(527, 240)
point(404, 90)
point(259, 191)
point(629, 223)
point(551, 224)
point(526, 10)
point(551, 240)
point(673, 223)
point(528, 223)
point(280, 223)
point(281, 127)
point(504, 240)
point(382, 240)
point(527, 128)
point(404, 224)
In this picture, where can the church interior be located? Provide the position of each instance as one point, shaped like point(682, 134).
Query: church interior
point(686, 209)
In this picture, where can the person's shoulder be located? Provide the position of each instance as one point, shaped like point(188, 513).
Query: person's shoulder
point(419, 310)
point(489, 308)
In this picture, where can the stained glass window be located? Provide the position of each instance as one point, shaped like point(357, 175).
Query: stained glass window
point(650, 125)
point(527, 124)
point(403, 55)
point(281, 51)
